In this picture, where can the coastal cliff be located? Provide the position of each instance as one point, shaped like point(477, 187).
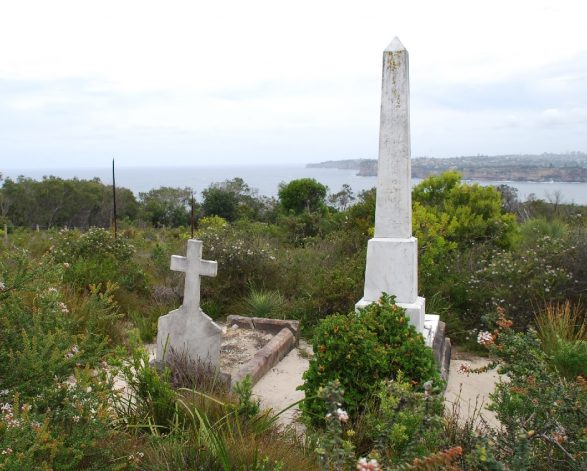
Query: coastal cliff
point(571, 167)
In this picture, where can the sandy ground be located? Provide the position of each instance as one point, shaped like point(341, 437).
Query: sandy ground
point(277, 389)
point(468, 392)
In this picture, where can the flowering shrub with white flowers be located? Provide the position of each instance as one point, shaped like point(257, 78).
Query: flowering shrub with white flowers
point(97, 257)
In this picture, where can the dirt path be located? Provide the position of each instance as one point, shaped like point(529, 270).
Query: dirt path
point(467, 392)
point(277, 389)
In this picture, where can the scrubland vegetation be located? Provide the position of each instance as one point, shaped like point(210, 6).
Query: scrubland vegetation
point(76, 304)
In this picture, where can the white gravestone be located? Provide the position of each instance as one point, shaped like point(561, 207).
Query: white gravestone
point(392, 255)
point(188, 329)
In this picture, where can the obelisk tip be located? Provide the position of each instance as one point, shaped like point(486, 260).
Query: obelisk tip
point(395, 46)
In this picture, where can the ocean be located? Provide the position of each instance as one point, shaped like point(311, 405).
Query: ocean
point(266, 179)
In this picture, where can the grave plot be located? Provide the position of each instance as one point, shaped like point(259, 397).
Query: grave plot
point(251, 346)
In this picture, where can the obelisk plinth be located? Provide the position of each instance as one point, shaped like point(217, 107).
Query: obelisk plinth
point(392, 255)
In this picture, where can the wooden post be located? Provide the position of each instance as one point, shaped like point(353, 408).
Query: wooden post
point(114, 201)
point(192, 217)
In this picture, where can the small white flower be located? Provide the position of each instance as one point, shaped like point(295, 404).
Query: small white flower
point(465, 368)
point(66, 265)
point(343, 415)
point(485, 338)
point(7, 451)
point(364, 465)
point(76, 418)
point(2, 286)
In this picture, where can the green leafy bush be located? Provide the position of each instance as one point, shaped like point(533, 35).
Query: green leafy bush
point(361, 349)
point(302, 195)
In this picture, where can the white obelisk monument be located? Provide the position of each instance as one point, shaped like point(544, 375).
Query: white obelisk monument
point(392, 255)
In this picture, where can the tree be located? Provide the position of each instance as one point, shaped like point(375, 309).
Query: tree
point(461, 213)
point(166, 206)
point(220, 202)
point(343, 198)
point(234, 199)
point(304, 194)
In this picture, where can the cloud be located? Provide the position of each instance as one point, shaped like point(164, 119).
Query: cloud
point(262, 80)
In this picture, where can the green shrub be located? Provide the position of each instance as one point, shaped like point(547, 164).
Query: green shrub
point(541, 413)
point(73, 434)
point(361, 349)
point(245, 258)
point(570, 358)
point(399, 423)
point(43, 332)
point(95, 258)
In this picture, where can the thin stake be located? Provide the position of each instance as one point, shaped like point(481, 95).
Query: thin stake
point(114, 200)
point(192, 218)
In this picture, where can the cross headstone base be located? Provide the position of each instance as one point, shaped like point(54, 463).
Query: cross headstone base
point(197, 335)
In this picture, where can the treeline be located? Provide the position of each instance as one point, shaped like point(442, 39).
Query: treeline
point(56, 202)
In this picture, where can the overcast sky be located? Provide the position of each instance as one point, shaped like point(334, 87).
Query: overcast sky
point(238, 82)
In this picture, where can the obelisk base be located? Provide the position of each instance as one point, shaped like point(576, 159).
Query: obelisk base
point(414, 311)
point(392, 268)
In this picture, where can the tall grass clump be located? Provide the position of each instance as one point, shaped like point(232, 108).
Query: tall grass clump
point(562, 330)
point(264, 303)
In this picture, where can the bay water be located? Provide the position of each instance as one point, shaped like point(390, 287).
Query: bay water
point(266, 179)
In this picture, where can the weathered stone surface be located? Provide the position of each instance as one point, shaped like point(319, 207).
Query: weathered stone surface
point(438, 342)
point(392, 267)
point(393, 213)
point(392, 255)
point(188, 329)
point(185, 331)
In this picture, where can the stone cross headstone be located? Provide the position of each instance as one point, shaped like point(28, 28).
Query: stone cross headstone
point(188, 329)
point(392, 255)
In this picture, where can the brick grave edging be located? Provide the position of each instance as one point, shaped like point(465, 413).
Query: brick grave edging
point(287, 335)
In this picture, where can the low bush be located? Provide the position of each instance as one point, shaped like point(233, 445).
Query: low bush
point(542, 414)
point(361, 349)
point(400, 423)
point(96, 257)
